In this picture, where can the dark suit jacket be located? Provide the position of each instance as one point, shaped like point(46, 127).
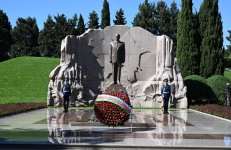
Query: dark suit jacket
point(117, 52)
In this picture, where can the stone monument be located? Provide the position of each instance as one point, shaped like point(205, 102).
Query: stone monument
point(85, 60)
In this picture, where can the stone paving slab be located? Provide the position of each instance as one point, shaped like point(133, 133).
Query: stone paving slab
point(146, 128)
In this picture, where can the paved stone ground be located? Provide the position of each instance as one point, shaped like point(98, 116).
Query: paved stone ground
point(146, 129)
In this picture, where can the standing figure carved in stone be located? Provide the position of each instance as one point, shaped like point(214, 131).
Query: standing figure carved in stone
point(117, 57)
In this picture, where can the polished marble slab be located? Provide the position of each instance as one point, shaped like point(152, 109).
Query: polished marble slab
point(145, 128)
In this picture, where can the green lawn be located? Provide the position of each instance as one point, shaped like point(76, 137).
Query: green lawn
point(227, 74)
point(23, 135)
point(25, 79)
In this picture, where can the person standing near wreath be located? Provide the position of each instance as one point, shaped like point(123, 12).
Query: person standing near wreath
point(166, 93)
point(117, 57)
point(66, 90)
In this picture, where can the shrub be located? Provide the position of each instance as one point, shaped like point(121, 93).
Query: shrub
point(227, 62)
point(197, 89)
point(218, 84)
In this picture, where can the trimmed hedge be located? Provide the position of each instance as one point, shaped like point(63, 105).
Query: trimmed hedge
point(197, 89)
point(218, 84)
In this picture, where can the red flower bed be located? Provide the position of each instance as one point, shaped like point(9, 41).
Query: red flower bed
point(9, 109)
point(112, 114)
point(214, 109)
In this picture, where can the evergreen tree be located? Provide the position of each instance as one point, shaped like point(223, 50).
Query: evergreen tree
point(93, 20)
point(197, 29)
point(54, 32)
point(173, 12)
point(61, 29)
point(47, 39)
point(159, 19)
point(212, 52)
point(72, 25)
point(119, 18)
point(187, 51)
point(105, 15)
point(145, 17)
point(162, 18)
point(81, 25)
point(228, 50)
point(5, 36)
point(25, 38)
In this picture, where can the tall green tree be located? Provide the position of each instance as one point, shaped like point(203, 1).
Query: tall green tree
point(54, 31)
point(119, 18)
point(81, 25)
point(228, 50)
point(197, 29)
point(93, 20)
point(212, 52)
point(162, 18)
point(72, 25)
point(187, 51)
point(173, 12)
point(145, 17)
point(61, 29)
point(25, 38)
point(47, 39)
point(105, 15)
point(158, 19)
point(5, 36)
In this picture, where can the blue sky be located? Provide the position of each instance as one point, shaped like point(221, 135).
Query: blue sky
point(41, 8)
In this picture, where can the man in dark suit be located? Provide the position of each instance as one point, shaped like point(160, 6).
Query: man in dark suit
point(117, 57)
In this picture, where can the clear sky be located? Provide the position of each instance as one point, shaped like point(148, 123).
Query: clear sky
point(40, 9)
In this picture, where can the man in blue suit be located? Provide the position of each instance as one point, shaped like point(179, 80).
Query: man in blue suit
point(166, 93)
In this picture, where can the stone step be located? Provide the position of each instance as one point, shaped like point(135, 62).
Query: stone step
point(99, 147)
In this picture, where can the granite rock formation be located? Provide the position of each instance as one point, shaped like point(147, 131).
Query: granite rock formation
point(149, 59)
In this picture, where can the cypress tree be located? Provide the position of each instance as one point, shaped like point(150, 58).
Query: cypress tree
point(93, 20)
point(5, 36)
point(145, 17)
point(212, 52)
point(218, 40)
point(47, 39)
point(105, 15)
point(81, 25)
point(228, 50)
point(119, 18)
point(25, 38)
point(197, 25)
point(173, 12)
point(187, 51)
